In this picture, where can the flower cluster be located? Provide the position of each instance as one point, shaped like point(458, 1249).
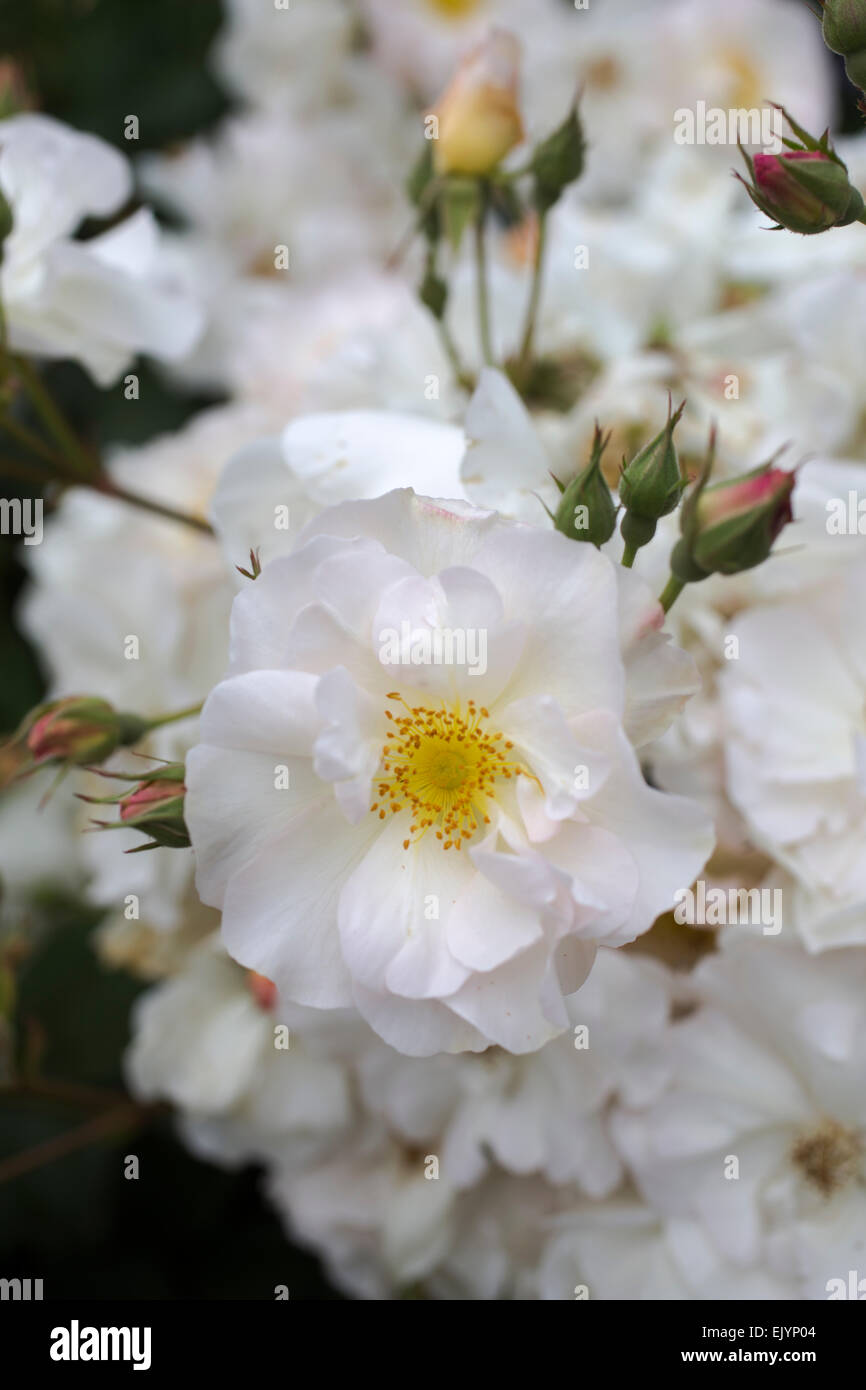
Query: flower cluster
point(487, 672)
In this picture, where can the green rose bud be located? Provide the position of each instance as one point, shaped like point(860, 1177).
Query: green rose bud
point(587, 511)
point(650, 486)
point(844, 29)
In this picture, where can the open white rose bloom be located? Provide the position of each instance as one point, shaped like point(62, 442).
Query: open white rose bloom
point(458, 829)
point(442, 522)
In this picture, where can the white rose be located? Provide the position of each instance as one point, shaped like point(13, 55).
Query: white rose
point(443, 845)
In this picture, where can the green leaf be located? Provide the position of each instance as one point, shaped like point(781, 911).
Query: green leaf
point(558, 161)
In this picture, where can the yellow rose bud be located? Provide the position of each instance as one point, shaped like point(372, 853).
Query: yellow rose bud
point(478, 116)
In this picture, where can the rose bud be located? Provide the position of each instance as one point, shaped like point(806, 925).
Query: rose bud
point(156, 808)
point(805, 188)
point(732, 525)
point(651, 485)
point(844, 29)
point(78, 729)
point(587, 511)
point(478, 116)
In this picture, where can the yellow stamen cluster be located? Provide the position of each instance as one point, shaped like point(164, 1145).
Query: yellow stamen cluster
point(442, 766)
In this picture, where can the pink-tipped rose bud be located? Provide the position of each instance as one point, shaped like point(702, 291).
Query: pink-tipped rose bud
point(147, 798)
point(79, 729)
point(806, 190)
point(478, 115)
point(732, 525)
point(156, 807)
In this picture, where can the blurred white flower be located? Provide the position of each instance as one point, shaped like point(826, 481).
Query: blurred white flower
point(285, 56)
point(809, 565)
point(634, 64)
point(108, 571)
point(761, 1136)
point(99, 300)
point(361, 341)
point(207, 1040)
point(794, 707)
point(622, 1250)
point(544, 1113)
point(384, 1229)
point(38, 847)
point(323, 192)
point(136, 607)
point(273, 488)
